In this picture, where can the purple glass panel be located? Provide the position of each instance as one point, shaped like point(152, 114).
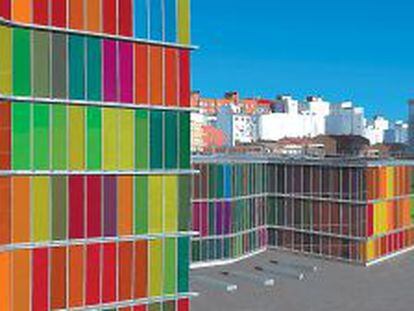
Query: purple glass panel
point(125, 63)
point(196, 216)
point(109, 56)
point(227, 217)
point(110, 200)
point(204, 219)
point(219, 217)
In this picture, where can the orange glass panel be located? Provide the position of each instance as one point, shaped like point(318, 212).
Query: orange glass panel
point(21, 280)
point(22, 11)
point(76, 276)
point(5, 211)
point(5, 292)
point(156, 75)
point(58, 278)
point(21, 209)
point(76, 14)
point(93, 15)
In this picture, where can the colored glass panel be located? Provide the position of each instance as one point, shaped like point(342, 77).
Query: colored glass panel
point(59, 13)
point(5, 210)
point(171, 203)
point(156, 57)
point(141, 139)
point(21, 62)
point(94, 138)
point(183, 16)
point(125, 265)
point(109, 71)
point(155, 273)
point(184, 197)
point(94, 203)
point(76, 67)
point(94, 68)
point(21, 280)
point(184, 148)
point(5, 9)
point(76, 276)
point(109, 273)
point(59, 207)
point(125, 204)
point(141, 269)
point(109, 9)
point(110, 219)
point(141, 73)
point(41, 12)
point(156, 11)
point(141, 205)
point(21, 209)
point(58, 266)
point(170, 8)
point(59, 137)
point(110, 138)
point(171, 139)
point(5, 135)
point(40, 279)
point(59, 65)
point(76, 138)
point(126, 62)
point(156, 142)
point(185, 87)
point(41, 139)
point(140, 19)
point(170, 266)
point(155, 204)
point(40, 210)
point(126, 141)
point(76, 207)
point(183, 264)
point(93, 15)
point(6, 60)
point(171, 76)
point(41, 64)
point(21, 138)
point(22, 11)
point(76, 14)
point(93, 274)
point(125, 17)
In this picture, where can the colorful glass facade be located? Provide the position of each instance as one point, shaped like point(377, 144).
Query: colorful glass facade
point(94, 154)
point(357, 211)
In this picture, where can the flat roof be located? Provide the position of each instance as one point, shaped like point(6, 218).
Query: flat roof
point(226, 158)
point(334, 286)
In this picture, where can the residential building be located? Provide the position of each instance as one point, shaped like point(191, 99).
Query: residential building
point(397, 133)
point(94, 155)
point(375, 130)
point(345, 119)
point(411, 124)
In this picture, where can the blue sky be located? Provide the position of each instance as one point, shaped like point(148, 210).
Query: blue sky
point(361, 50)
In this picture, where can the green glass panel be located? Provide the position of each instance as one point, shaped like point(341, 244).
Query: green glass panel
point(154, 307)
point(94, 63)
point(171, 140)
point(220, 181)
point(59, 207)
point(141, 139)
point(184, 201)
point(156, 129)
point(41, 64)
point(184, 140)
point(21, 62)
point(94, 138)
point(59, 137)
point(169, 266)
point(76, 67)
point(41, 142)
point(141, 204)
point(183, 264)
point(59, 65)
point(21, 138)
point(169, 306)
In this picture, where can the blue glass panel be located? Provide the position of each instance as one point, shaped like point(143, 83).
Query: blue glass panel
point(141, 18)
point(170, 20)
point(156, 20)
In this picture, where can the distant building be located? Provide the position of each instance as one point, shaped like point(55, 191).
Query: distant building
point(375, 130)
point(290, 119)
point(238, 127)
point(343, 145)
point(345, 119)
point(397, 133)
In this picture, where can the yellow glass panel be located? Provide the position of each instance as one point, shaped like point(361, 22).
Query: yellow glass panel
point(126, 123)
point(40, 208)
point(171, 203)
point(184, 21)
point(111, 138)
point(155, 277)
point(76, 138)
point(155, 204)
point(5, 61)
